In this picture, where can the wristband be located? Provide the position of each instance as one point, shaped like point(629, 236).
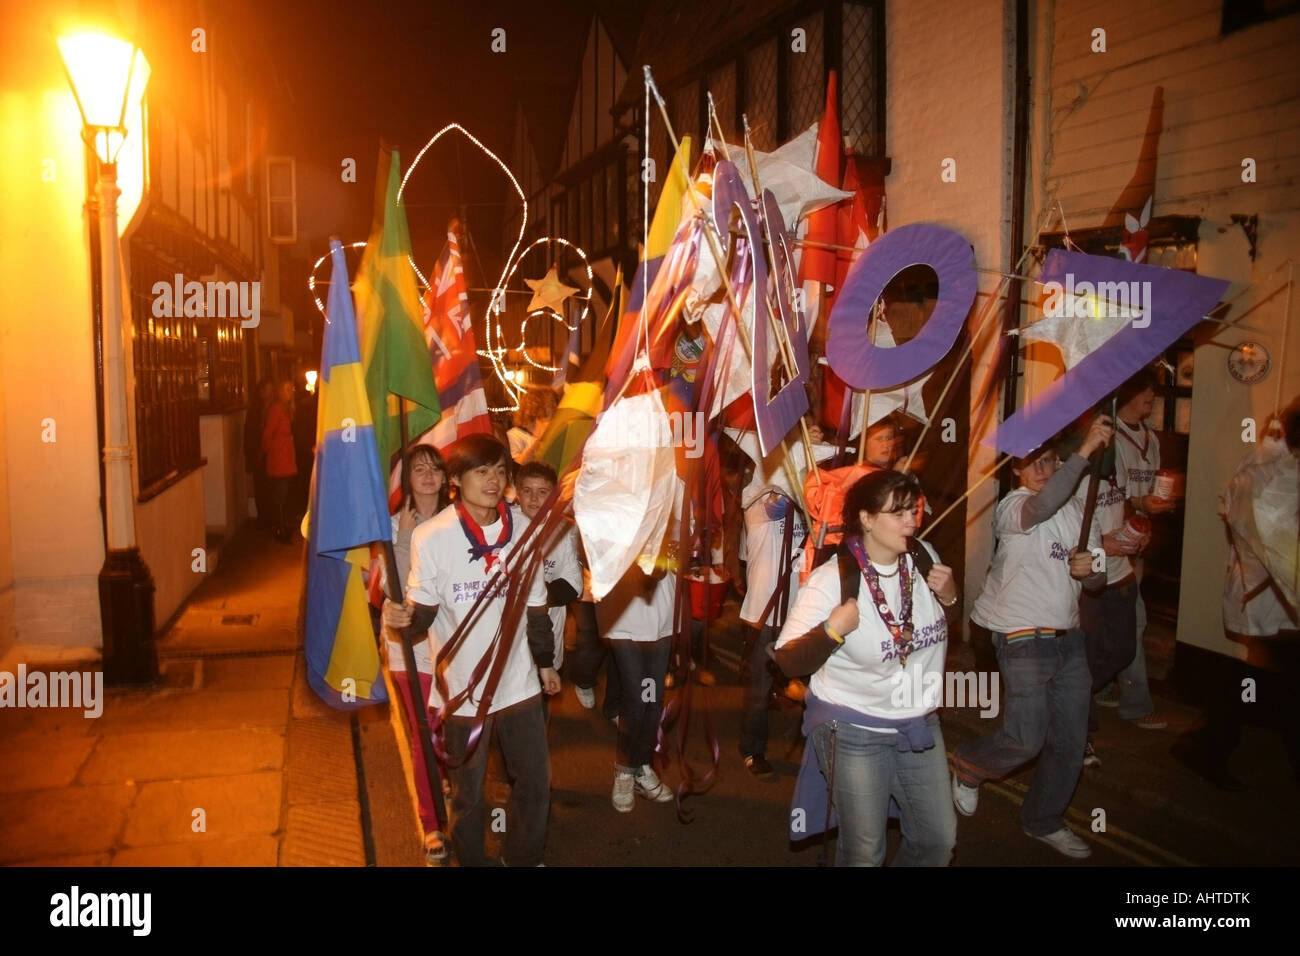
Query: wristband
point(837, 638)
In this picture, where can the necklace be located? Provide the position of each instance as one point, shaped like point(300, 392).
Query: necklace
point(900, 629)
point(882, 574)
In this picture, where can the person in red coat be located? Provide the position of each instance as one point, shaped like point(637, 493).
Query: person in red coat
point(281, 460)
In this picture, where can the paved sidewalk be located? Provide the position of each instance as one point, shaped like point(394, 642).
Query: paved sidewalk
point(231, 760)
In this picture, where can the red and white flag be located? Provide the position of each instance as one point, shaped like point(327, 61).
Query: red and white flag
point(452, 349)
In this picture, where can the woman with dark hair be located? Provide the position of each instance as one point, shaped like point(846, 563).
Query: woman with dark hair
point(875, 643)
point(427, 496)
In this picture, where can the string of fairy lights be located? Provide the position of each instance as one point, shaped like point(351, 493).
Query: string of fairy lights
point(495, 349)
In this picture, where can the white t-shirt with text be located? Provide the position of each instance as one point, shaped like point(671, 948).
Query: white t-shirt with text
point(443, 575)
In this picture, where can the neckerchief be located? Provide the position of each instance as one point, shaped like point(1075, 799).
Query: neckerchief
point(900, 630)
point(478, 544)
point(1146, 438)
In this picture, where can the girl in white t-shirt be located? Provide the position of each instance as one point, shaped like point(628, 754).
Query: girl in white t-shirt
point(877, 664)
point(427, 496)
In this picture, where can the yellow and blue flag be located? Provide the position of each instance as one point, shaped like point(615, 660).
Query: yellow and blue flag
point(348, 512)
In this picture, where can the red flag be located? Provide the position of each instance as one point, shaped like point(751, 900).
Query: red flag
point(454, 353)
point(1132, 209)
point(859, 219)
point(818, 264)
point(859, 222)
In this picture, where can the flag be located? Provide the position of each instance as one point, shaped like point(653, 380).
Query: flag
point(663, 230)
point(453, 350)
point(1172, 302)
point(818, 264)
point(1132, 209)
point(575, 417)
point(454, 357)
point(861, 221)
point(347, 512)
point(393, 344)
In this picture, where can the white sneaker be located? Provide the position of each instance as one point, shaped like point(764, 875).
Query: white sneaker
point(586, 696)
point(649, 785)
point(1064, 842)
point(964, 798)
point(622, 797)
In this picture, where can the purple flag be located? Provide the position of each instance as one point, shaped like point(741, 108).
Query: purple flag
point(1163, 303)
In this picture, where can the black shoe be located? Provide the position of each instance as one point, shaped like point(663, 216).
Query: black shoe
point(757, 765)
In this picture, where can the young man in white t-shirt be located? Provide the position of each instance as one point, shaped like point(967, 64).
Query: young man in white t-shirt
point(466, 550)
point(1137, 459)
point(1030, 603)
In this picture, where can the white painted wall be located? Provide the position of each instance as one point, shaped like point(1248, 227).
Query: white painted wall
point(52, 528)
point(1225, 98)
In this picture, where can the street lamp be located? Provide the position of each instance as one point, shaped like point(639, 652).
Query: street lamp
point(108, 78)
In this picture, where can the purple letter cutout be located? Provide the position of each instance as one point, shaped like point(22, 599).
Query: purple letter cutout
point(848, 349)
point(776, 417)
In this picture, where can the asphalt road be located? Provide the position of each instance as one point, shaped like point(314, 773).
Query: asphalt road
point(1153, 814)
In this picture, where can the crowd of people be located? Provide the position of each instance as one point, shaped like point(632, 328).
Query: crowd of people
point(843, 600)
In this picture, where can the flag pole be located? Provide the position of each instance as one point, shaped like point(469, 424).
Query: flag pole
point(1095, 467)
point(720, 260)
point(395, 594)
point(966, 494)
point(874, 320)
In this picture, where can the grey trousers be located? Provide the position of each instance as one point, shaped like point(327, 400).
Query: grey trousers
point(521, 732)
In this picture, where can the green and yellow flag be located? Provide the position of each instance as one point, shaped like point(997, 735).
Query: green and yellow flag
point(394, 351)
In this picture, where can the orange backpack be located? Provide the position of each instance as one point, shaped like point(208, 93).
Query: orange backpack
point(825, 500)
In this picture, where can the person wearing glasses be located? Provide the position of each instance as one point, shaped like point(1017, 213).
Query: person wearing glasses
point(1030, 604)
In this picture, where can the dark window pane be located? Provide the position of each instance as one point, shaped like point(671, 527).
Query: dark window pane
point(722, 84)
point(806, 74)
point(760, 94)
point(858, 81)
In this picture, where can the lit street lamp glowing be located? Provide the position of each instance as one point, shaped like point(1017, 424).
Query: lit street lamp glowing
point(108, 77)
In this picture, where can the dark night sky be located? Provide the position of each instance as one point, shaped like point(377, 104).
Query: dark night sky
point(357, 72)
point(350, 73)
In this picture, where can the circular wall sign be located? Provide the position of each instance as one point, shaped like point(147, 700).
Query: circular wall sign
point(1249, 362)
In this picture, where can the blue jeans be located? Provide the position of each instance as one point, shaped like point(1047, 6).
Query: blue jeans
point(1109, 621)
point(1047, 688)
point(1134, 692)
point(869, 769)
point(582, 665)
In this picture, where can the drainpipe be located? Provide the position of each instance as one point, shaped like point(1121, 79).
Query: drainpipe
point(1009, 365)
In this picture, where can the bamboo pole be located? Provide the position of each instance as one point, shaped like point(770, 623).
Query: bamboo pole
point(966, 494)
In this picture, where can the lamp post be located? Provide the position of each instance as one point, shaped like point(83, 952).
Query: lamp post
point(108, 78)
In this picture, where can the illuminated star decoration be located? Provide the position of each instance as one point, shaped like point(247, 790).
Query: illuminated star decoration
point(549, 292)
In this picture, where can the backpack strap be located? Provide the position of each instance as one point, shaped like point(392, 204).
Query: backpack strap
point(920, 557)
point(850, 574)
